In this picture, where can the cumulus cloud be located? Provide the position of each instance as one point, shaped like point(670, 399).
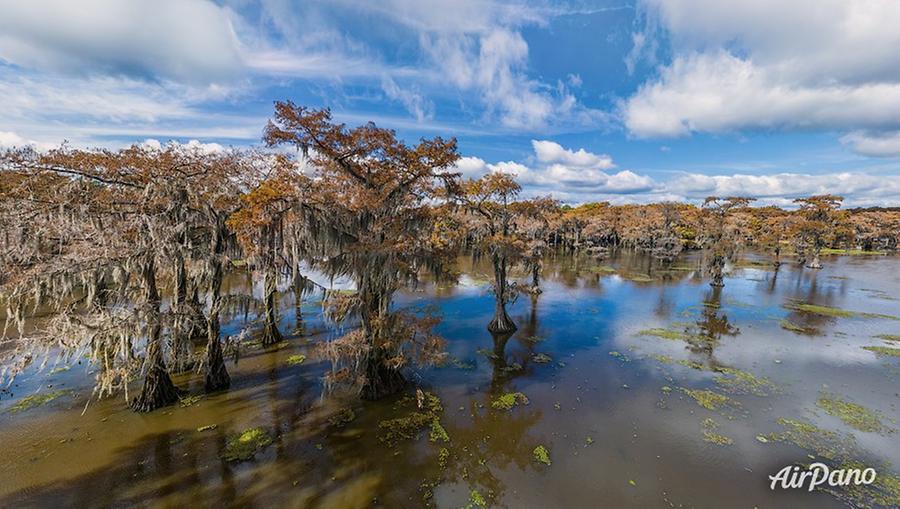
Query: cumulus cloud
point(577, 176)
point(181, 39)
point(827, 64)
point(874, 144)
point(10, 139)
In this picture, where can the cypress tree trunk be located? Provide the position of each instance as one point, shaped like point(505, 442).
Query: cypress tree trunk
point(271, 335)
point(501, 323)
point(381, 379)
point(158, 390)
point(815, 264)
point(217, 378)
point(718, 280)
point(298, 285)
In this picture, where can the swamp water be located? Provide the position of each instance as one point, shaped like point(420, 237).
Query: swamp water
point(626, 385)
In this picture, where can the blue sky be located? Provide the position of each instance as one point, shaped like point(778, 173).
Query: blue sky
point(591, 100)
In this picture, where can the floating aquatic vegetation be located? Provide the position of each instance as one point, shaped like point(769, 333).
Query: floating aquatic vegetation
point(509, 400)
point(850, 252)
point(853, 414)
point(36, 400)
point(208, 427)
point(806, 435)
point(438, 433)
point(883, 350)
point(799, 329)
point(476, 500)
point(666, 334)
point(541, 358)
point(737, 381)
point(190, 400)
point(443, 457)
point(541, 455)
point(639, 278)
point(342, 418)
point(60, 369)
point(622, 357)
point(889, 337)
point(588, 441)
point(884, 491)
point(512, 367)
point(832, 311)
point(710, 400)
point(710, 435)
point(294, 360)
point(665, 359)
point(428, 410)
point(244, 446)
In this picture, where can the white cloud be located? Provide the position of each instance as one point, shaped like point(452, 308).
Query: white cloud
point(552, 152)
point(874, 144)
point(179, 39)
point(819, 64)
point(10, 139)
point(412, 100)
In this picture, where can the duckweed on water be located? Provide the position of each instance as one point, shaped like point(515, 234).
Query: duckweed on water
point(294, 360)
point(708, 399)
point(889, 337)
point(443, 457)
point(885, 351)
point(190, 400)
point(799, 329)
point(670, 334)
point(710, 435)
point(509, 400)
point(853, 415)
point(427, 412)
point(832, 311)
point(541, 455)
point(60, 369)
point(244, 446)
point(737, 381)
point(342, 418)
point(438, 433)
point(476, 500)
point(806, 435)
point(541, 358)
point(36, 400)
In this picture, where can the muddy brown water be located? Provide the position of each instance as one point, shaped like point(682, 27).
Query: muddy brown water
point(616, 437)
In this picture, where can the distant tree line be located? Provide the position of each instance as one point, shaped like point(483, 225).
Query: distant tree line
point(121, 255)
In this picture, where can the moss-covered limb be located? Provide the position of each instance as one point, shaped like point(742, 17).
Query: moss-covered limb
point(853, 414)
point(245, 446)
point(833, 311)
point(509, 400)
point(36, 400)
point(541, 455)
point(885, 351)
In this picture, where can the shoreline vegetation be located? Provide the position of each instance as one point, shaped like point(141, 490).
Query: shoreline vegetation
point(120, 258)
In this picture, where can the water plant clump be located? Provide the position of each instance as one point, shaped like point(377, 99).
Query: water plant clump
point(884, 351)
point(737, 381)
point(438, 433)
point(806, 435)
point(889, 337)
point(670, 334)
point(709, 433)
point(853, 414)
point(708, 399)
point(541, 358)
point(509, 400)
point(245, 446)
point(833, 311)
point(541, 455)
point(294, 360)
point(36, 400)
point(426, 413)
point(799, 329)
point(342, 418)
point(476, 500)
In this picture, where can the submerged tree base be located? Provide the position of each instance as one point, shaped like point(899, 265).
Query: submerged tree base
point(158, 391)
point(381, 382)
point(502, 324)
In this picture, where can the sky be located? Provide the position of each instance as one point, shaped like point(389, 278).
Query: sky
point(627, 102)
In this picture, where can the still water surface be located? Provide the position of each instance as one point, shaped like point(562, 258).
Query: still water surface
point(608, 402)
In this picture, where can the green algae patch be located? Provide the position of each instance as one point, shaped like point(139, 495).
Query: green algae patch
point(604, 269)
point(669, 334)
point(36, 400)
point(806, 435)
point(541, 455)
point(883, 492)
point(710, 400)
point(832, 311)
point(851, 252)
point(737, 381)
point(476, 500)
point(883, 351)
point(438, 433)
point(799, 329)
point(854, 415)
point(509, 400)
point(541, 358)
point(443, 457)
point(342, 418)
point(245, 446)
point(889, 337)
point(709, 433)
point(427, 412)
point(295, 360)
